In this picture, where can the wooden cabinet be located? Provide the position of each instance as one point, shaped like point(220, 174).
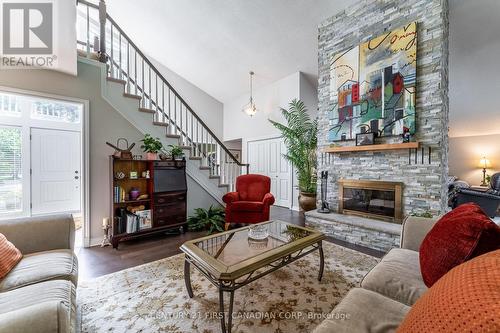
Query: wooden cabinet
point(168, 208)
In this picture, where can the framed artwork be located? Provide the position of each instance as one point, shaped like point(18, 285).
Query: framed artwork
point(236, 153)
point(364, 139)
point(372, 86)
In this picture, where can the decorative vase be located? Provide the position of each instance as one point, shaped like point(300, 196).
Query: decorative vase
point(151, 156)
point(134, 193)
point(307, 201)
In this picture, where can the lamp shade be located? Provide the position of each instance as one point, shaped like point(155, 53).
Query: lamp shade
point(484, 163)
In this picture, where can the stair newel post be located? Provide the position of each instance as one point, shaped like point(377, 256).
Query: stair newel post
point(102, 31)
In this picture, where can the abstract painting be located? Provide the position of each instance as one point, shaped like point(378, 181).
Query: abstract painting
point(372, 86)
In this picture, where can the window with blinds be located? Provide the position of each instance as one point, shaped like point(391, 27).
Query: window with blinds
point(11, 194)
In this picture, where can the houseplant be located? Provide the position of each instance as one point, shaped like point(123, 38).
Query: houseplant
point(175, 151)
point(300, 136)
point(203, 219)
point(151, 146)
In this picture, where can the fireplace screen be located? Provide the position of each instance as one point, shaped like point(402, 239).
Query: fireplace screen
point(377, 202)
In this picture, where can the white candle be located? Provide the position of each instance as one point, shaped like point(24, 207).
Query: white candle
point(105, 222)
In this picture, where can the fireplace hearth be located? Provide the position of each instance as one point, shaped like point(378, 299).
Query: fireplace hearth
point(375, 199)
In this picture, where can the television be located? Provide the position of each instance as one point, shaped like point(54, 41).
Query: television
point(169, 180)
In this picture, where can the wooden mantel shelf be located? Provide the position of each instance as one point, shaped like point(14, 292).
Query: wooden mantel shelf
point(387, 146)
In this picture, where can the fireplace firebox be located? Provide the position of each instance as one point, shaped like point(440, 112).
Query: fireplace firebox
point(376, 199)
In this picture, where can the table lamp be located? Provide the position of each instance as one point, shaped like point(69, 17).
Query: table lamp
point(484, 163)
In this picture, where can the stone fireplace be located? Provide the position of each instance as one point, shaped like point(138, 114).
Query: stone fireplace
point(423, 170)
point(420, 173)
point(372, 199)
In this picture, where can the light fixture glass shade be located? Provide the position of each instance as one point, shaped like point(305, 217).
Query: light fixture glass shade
point(250, 109)
point(484, 163)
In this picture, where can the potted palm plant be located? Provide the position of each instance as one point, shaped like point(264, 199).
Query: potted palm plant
point(300, 136)
point(151, 146)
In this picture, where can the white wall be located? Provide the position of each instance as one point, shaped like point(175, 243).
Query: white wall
point(309, 95)
point(474, 88)
point(474, 68)
point(465, 153)
point(205, 106)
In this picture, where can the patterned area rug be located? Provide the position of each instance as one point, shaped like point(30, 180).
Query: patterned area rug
point(153, 298)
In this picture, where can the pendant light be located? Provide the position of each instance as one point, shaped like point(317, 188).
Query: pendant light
point(250, 109)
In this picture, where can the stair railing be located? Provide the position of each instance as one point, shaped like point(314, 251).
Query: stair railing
point(98, 32)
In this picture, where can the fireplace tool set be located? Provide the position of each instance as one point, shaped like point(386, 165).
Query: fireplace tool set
point(325, 207)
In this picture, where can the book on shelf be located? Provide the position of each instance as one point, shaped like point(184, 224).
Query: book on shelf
point(118, 194)
point(132, 223)
point(144, 218)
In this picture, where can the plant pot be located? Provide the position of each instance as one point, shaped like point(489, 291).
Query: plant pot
point(151, 156)
point(307, 201)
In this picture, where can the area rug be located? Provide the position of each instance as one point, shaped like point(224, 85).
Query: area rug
point(153, 298)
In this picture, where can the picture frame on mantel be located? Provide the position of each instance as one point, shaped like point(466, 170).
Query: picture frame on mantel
point(365, 139)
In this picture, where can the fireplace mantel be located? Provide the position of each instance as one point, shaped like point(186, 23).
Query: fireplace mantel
point(392, 204)
point(378, 147)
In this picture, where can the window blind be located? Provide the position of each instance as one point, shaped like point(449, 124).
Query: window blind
point(10, 170)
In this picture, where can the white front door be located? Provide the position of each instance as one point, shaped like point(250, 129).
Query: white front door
point(266, 158)
point(55, 171)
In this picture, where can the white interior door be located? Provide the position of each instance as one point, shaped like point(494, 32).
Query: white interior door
point(55, 171)
point(266, 158)
point(279, 171)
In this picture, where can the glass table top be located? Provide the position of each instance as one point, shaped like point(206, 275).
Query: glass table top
point(241, 244)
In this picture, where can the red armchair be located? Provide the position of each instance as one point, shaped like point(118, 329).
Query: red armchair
point(251, 202)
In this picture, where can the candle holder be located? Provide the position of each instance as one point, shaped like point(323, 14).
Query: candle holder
point(105, 228)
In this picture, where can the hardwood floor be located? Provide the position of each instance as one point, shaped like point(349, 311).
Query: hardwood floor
point(97, 261)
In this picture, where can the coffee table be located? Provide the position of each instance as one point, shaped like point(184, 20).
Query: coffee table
point(232, 259)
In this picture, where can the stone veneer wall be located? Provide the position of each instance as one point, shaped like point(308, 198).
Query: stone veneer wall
point(425, 184)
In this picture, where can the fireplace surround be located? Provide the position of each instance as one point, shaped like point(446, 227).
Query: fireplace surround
point(373, 199)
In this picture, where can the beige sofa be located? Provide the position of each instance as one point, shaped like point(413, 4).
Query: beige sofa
point(38, 295)
point(387, 292)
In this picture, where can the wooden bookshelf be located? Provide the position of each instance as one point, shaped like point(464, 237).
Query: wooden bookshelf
point(168, 209)
point(378, 147)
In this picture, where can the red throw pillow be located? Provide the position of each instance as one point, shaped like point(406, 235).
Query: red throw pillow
point(462, 234)
point(9, 256)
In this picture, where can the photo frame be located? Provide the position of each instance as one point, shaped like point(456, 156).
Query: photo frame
point(236, 153)
point(365, 139)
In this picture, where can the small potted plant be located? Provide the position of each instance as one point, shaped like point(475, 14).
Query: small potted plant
point(151, 147)
point(211, 219)
point(176, 152)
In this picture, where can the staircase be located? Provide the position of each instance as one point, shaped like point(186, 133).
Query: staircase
point(130, 76)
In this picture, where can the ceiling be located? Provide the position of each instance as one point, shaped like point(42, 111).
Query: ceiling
point(214, 44)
